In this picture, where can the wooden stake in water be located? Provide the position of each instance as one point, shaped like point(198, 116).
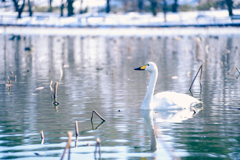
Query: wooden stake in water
point(42, 135)
point(68, 146)
point(97, 115)
point(76, 128)
point(200, 68)
point(56, 103)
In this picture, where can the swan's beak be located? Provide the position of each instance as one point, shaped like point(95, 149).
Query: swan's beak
point(141, 68)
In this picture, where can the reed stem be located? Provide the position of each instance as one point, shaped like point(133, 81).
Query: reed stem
point(196, 77)
point(97, 115)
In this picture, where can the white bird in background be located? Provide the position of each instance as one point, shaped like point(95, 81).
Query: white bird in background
point(163, 100)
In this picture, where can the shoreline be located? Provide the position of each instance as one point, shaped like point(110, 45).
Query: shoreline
point(117, 31)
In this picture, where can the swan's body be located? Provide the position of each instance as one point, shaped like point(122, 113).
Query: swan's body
point(163, 100)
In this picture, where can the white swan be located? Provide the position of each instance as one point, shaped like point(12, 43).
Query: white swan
point(163, 100)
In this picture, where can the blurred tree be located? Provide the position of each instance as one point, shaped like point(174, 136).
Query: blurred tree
point(140, 5)
point(15, 2)
point(165, 10)
point(61, 8)
point(108, 6)
point(30, 8)
point(175, 6)
point(19, 9)
point(70, 7)
point(154, 7)
point(81, 2)
point(50, 6)
point(125, 5)
point(230, 6)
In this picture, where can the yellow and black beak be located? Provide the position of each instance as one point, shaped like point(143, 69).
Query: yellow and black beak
point(141, 68)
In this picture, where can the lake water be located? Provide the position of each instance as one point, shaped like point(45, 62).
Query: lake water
point(97, 73)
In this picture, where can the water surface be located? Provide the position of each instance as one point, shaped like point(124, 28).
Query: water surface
point(96, 73)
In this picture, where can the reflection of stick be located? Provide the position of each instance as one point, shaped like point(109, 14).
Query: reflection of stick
point(98, 145)
point(97, 126)
point(231, 71)
point(238, 70)
point(97, 115)
point(51, 89)
point(195, 78)
point(61, 74)
point(15, 78)
point(55, 91)
point(68, 145)
point(9, 81)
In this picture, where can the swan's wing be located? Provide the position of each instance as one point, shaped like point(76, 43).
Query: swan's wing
point(173, 100)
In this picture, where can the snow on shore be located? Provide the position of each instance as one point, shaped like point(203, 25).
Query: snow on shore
point(133, 31)
point(218, 17)
point(136, 24)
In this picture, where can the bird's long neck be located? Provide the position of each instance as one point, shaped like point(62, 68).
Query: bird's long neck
point(150, 91)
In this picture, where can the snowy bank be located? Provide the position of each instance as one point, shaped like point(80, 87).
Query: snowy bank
point(182, 19)
point(133, 31)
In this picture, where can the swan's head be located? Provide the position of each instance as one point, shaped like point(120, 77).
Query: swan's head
point(150, 67)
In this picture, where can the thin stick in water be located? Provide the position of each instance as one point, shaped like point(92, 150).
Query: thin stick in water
point(97, 115)
point(76, 128)
point(68, 146)
point(195, 78)
point(42, 135)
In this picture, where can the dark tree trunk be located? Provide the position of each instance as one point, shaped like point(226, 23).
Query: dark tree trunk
point(108, 6)
point(20, 10)
point(30, 8)
point(165, 10)
point(50, 6)
point(140, 5)
point(230, 5)
point(154, 7)
point(70, 7)
point(61, 8)
point(175, 6)
point(15, 5)
point(81, 7)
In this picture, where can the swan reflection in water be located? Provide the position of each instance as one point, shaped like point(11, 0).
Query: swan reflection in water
point(158, 146)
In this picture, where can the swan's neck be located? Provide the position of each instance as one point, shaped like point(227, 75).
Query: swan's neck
point(150, 91)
